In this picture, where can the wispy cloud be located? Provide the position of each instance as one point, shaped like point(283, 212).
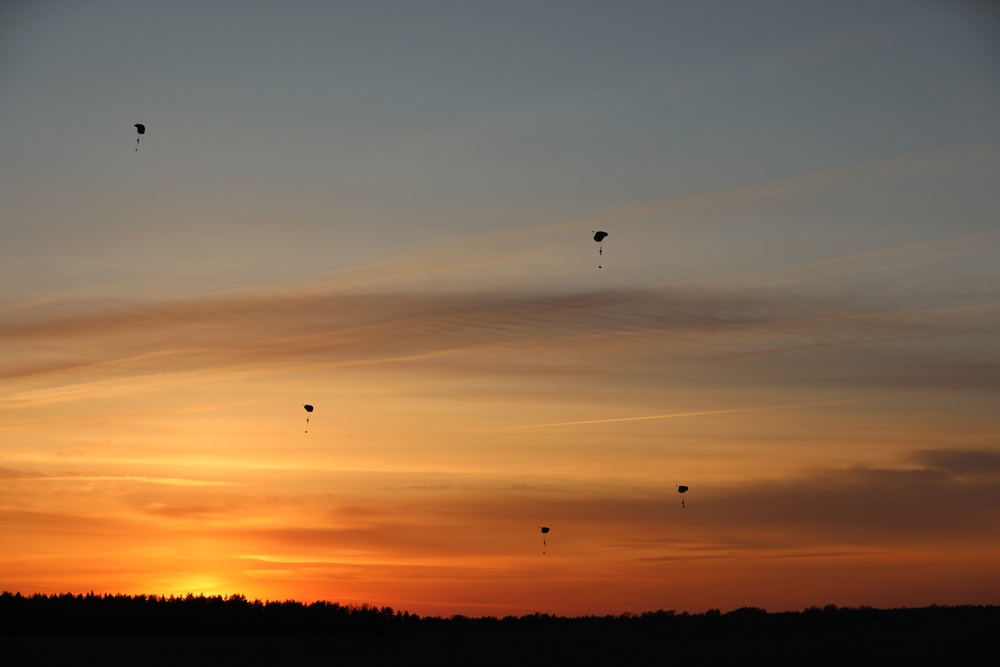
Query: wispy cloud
point(946, 158)
point(701, 413)
point(978, 462)
point(497, 334)
point(881, 259)
point(519, 254)
point(13, 475)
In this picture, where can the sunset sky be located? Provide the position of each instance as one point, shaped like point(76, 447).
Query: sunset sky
point(386, 210)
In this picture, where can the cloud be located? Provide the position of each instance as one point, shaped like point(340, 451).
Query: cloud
point(862, 505)
point(524, 249)
point(86, 450)
point(19, 475)
point(930, 500)
point(55, 527)
point(812, 513)
point(436, 308)
point(740, 199)
point(978, 462)
point(881, 259)
point(91, 349)
point(184, 511)
point(12, 474)
point(700, 413)
point(169, 481)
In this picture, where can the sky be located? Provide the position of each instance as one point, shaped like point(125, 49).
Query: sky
point(386, 210)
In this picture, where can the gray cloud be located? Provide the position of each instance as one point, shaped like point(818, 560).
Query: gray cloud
point(980, 462)
point(491, 332)
point(14, 474)
point(185, 511)
point(863, 506)
point(927, 501)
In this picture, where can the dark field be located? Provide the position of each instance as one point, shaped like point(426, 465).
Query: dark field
point(950, 644)
point(119, 630)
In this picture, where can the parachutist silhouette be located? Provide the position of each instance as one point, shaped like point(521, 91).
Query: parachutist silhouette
point(600, 236)
point(141, 129)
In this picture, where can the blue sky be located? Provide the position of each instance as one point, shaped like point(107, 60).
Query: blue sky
point(293, 140)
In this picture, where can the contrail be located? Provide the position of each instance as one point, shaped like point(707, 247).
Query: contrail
point(171, 481)
point(702, 413)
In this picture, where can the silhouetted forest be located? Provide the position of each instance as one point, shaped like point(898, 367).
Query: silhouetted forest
point(255, 632)
point(200, 614)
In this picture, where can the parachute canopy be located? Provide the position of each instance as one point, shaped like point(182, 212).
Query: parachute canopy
point(141, 128)
point(545, 529)
point(681, 489)
point(309, 408)
point(599, 236)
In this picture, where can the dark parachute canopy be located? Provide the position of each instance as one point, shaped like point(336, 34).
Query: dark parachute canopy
point(141, 129)
point(545, 529)
point(309, 408)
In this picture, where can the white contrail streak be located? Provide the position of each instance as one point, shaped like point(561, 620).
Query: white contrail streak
point(700, 413)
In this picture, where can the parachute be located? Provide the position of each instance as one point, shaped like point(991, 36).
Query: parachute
point(141, 129)
point(308, 408)
point(600, 236)
point(544, 529)
point(682, 489)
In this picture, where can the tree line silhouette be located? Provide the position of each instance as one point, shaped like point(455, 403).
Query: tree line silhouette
point(119, 614)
